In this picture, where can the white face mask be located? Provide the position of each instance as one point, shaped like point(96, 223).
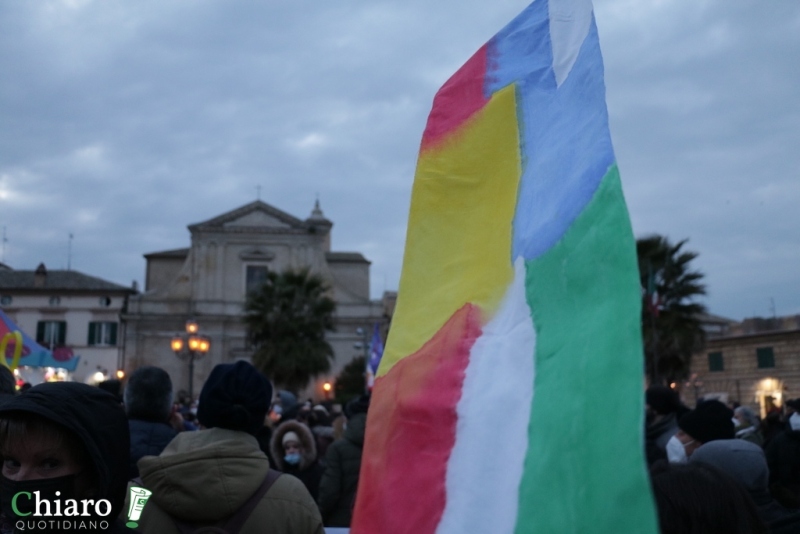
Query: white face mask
point(794, 421)
point(676, 452)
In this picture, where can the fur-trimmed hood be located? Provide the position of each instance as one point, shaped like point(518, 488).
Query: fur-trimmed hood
point(307, 440)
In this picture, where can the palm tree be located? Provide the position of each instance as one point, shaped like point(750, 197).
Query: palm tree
point(287, 317)
point(351, 381)
point(671, 326)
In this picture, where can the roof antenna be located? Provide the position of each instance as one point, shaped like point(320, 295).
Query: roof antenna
point(69, 253)
point(258, 192)
point(5, 240)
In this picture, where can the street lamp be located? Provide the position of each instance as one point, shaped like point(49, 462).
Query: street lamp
point(191, 346)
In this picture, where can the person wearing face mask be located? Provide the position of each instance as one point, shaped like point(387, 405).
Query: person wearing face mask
point(661, 405)
point(63, 442)
point(710, 421)
point(294, 450)
point(783, 458)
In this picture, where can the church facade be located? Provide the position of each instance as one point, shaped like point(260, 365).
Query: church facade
point(208, 282)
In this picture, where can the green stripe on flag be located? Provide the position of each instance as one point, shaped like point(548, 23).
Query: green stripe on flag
point(585, 467)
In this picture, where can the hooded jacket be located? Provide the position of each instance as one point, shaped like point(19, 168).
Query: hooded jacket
point(98, 420)
point(745, 462)
point(309, 471)
point(206, 476)
point(337, 489)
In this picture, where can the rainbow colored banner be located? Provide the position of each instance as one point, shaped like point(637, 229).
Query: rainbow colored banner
point(31, 353)
point(509, 397)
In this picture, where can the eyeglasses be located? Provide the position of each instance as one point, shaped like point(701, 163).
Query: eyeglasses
point(687, 443)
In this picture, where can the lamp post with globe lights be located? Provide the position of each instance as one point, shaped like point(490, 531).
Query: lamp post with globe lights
point(191, 346)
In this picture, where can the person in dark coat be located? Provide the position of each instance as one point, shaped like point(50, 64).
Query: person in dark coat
point(294, 451)
point(148, 403)
point(65, 440)
point(661, 404)
point(337, 489)
point(783, 458)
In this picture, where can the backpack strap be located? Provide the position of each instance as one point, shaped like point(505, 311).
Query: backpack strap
point(236, 521)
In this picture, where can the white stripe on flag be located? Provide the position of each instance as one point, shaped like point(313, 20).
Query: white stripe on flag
point(485, 467)
point(570, 21)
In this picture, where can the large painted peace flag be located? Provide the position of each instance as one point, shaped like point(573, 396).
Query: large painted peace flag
point(509, 397)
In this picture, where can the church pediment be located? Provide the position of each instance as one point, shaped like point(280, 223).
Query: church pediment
point(256, 215)
point(258, 218)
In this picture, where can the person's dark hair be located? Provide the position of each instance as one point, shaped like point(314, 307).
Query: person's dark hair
point(148, 395)
point(18, 429)
point(696, 498)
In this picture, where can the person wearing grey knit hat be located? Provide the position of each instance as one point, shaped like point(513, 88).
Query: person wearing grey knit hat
point(745, 462)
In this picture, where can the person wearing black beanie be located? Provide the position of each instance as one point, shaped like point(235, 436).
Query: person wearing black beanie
point(710, 421)
point(236, 397)
point(218, 476)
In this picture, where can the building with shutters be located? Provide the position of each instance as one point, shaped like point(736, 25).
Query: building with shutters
point(755, 362)
point(208, 281)
point(66, 310)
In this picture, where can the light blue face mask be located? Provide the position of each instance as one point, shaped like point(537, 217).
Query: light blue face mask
point(292, 459)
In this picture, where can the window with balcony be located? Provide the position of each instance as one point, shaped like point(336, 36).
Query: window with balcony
point(51, 334)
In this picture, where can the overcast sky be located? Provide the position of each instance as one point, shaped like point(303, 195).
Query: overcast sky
point(123, 122)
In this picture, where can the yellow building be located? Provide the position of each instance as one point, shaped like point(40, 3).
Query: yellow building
point(755, 362)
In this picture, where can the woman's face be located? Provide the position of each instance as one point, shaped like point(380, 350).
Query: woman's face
point(39, 456)
point(292, 447)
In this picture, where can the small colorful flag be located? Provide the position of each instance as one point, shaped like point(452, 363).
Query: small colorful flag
point(374, 358)
point(375, 349)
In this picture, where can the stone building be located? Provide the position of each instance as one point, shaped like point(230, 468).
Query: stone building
point(208, 281)
point(755, 362)
point(68, 310)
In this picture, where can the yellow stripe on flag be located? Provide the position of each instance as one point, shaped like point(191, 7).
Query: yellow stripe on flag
point(458, 248)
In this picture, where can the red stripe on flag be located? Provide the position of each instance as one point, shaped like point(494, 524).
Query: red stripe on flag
point(411, 431)
point(458, 99)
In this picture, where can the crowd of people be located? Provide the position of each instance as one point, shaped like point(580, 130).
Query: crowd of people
point(720, 468)
point(71, 452)
point(243, 456)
